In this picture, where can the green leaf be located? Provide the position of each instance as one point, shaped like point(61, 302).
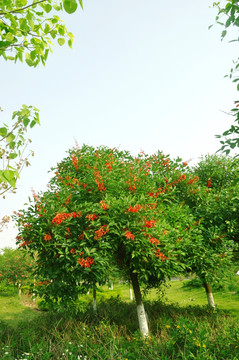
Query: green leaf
point(3, 131)
point(61, 41)
point(223, 33)
point(70, 6)
point(9, 37)
point(26, 122)
point(10, 137)
point(48, 8)
point(9, 176)
point(61, 30)
point(47, 29)
point(81, 4)
point(13, 156)
point(33, 123)
point(12, 145)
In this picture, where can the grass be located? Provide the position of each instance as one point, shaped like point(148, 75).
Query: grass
point(13, 309)
point(183, 330)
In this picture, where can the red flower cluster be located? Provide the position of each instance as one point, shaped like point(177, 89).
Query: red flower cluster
point(154, 241)
point(159, 255)
point(91, 217)
point(129, 235)
point(45, 282)
point(47, 237)
point(193, 179)
point(25, 243)
point(86, 263)
point(63, 216)
point(73, 251)
point(108, 165)
point(81, 237)
point(132, 186)
point(104, 205)
point(75, 161)
point(149, 223)
point(135, 208)
point(99, 181)
point(209, 183)
point(101, 232)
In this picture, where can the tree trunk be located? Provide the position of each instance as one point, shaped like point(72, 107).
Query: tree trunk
point(210, 298)
point(142, 318)
point(94, 299)
point(130, 292)
point(19, 289)
point(111, 285)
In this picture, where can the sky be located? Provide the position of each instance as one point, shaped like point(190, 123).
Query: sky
point(141, 76)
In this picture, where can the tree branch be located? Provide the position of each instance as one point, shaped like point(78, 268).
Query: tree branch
point(23, 8)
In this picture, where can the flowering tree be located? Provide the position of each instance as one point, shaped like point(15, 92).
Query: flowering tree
point(106, 207)
point(16, 268)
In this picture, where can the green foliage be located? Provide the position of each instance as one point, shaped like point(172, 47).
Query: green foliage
point(16, 267)
point(106, 209)
point(13, 143)
point(214, 203)
point(28, 29)
point(228, 16)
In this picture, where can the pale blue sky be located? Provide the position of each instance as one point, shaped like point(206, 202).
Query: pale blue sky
point(142, 75)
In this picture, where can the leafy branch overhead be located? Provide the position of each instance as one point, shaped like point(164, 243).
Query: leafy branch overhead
point(13, 143)
point(28, 29)
point(228, 17)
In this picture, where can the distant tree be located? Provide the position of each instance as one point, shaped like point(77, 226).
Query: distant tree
point(16, 267)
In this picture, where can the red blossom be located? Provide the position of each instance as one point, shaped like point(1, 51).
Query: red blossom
point(101, 232)
point(63, 216)
point(149, 223)
point(209, 184)
point(129, 235)
point(108, 165)
point(86, 263)
point(99, 181)
point(154, 241)
point(191, 181)
point(91, 217)
point(47, 237)
point(104, 205)
point(135, 208)
point(160, 255)
point(81, 237)
point(74, 161)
